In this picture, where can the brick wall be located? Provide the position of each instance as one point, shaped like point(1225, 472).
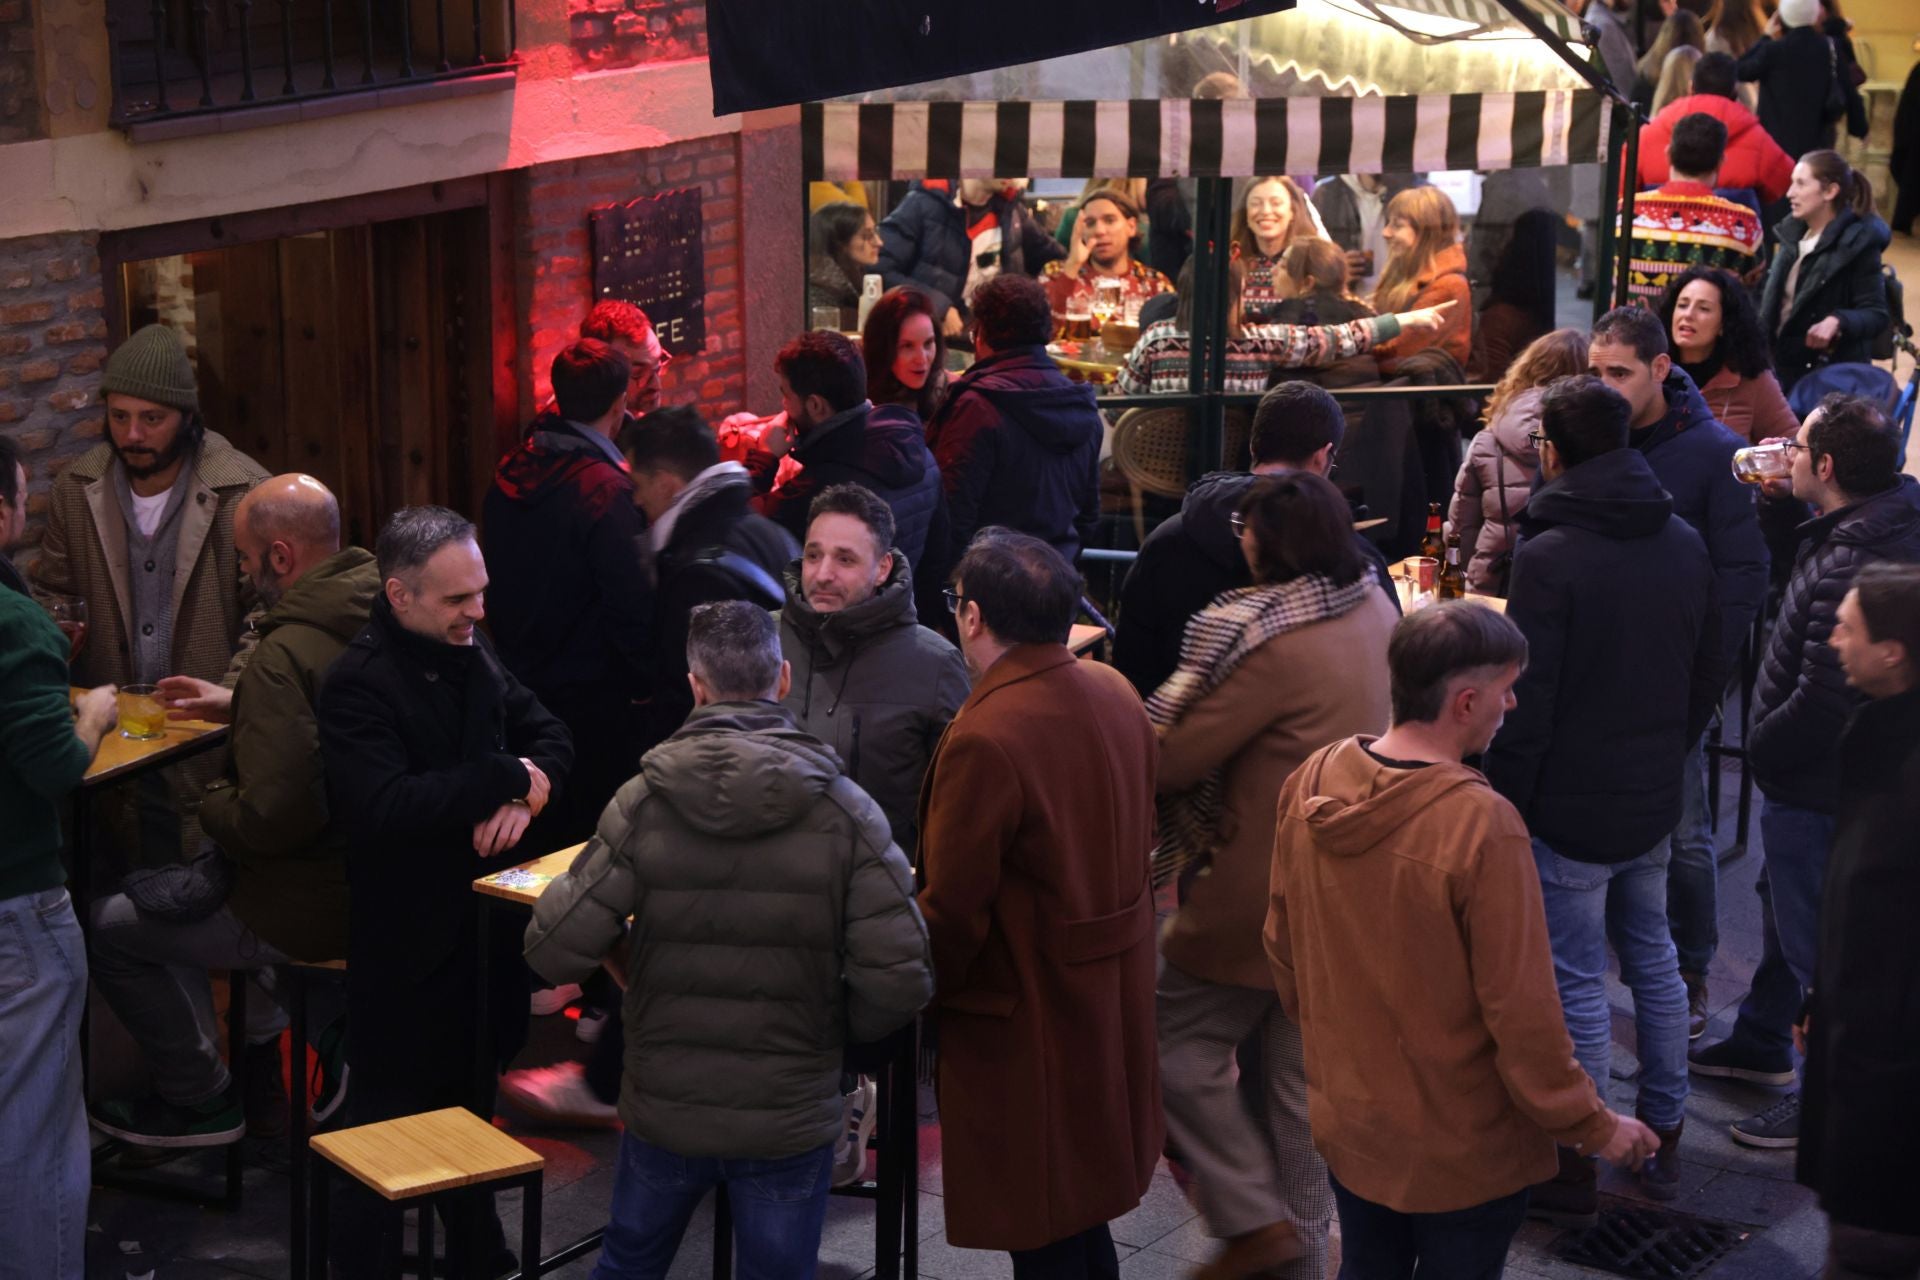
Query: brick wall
point(19, 89)
point(556, 267)
point(620, 33)
point(53, 332)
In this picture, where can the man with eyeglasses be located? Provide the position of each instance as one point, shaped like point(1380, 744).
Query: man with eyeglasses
point(1846, 468)
point(1194, 556)
point(1614, 594)
point(626, 329)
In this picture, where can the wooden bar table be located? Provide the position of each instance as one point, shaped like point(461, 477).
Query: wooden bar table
point(895, 1189)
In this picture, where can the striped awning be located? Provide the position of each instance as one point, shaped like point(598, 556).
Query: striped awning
point(1231, 138)
point(1476, 17)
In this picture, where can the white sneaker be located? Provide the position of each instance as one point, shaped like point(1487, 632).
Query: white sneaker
point(858, 1112)
point(558, 1095)
point(592, 1022)
point(553, 999)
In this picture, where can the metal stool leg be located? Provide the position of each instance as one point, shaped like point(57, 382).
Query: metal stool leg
point(722, 1234)
point(317, 1226)
point(530, 1227)
point(237, 980)
point(297, 1121)
point(424, 1237)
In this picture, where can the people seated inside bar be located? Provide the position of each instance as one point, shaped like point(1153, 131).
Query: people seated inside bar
point(1100, 257)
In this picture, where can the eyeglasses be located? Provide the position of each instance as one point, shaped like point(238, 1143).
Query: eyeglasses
point(954, 600)
point(1536, 438)
point(1795, 444)
point(867, 234)
point(1237, 523)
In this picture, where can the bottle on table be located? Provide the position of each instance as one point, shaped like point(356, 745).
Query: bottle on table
point(1453, 578)
point(1431, 545)
point(871, 287)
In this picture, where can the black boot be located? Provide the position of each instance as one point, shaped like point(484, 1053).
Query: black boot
point(1660, 1175)
point(1571, 1198)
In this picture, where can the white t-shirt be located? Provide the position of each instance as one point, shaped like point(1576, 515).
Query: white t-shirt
point(1793, 275)
point(147, 511)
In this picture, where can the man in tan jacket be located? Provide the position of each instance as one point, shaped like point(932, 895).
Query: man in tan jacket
point(1408, 940)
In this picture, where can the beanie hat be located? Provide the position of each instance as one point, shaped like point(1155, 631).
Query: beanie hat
point(153, 365)
point(1799, 13)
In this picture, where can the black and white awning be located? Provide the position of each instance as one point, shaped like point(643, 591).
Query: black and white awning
point(1202, 137)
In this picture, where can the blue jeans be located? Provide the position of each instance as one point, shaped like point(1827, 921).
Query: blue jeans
point(1693, 876)
point(1590, 904)
point(45, 1170)
point(778, 1207)
point(1797, 842)
point(1378, 1243)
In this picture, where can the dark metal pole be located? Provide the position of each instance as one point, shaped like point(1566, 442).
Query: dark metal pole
point(1627, 189)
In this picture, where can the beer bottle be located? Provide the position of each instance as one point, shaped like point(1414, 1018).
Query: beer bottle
point(1453, 578)
point(1431, 544)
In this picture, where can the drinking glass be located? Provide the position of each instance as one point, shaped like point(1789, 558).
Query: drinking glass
point(69, 613)
point(1080, 315)
point(143, 717)
point(1426, 572)
point(1762, 462)
point(827, 318)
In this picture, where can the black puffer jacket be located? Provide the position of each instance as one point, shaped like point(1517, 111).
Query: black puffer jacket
point(1019, 445)
point(876, 686)
point(1802, 700)
point(1614, 593)
point(883, 447)
point(924, 242)
point(1184, 563)
point(1841, 277)
point(773, 924)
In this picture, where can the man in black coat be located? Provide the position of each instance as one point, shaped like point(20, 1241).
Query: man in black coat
point(1017, 442)
point(1860, 1122)
point(1194, 556)
point(572, 602)
point(1614, 593)
point(838, 436)
point(1845, 464)
point(436, 761)
point(948, 238)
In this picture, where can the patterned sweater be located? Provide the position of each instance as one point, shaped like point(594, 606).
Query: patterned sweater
point(1158, 363)
point(1683, 224)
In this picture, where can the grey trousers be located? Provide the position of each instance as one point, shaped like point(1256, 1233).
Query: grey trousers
point(1248, 1175)
point(153, 974)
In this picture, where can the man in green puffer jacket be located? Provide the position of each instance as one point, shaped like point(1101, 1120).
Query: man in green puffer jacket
point(268, 813)
point(773, 923)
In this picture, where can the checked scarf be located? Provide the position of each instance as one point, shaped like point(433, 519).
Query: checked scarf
point(1217, 640)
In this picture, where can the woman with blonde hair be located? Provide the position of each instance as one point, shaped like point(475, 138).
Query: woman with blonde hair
point(1676, 77)
point(1496, 477)
point(1271, 214)
point(1426, 266)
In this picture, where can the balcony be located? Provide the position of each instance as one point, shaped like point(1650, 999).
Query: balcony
point(184, 67)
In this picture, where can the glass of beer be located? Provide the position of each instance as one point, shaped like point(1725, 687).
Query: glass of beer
point(142, 715)
point(1426, 572)
point(1761, 462)
point(69, 613)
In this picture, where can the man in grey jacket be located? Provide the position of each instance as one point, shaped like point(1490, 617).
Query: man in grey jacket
point(773, 923)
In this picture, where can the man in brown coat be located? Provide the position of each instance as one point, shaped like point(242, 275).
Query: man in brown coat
point(1036, 820)
point(141, 528)
point(1408, 940)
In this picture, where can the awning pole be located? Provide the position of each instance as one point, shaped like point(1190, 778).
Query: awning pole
point(1627, 189)
point(1603, 271)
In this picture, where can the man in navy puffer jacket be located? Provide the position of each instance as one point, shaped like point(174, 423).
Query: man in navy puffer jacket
point(941, 241)
point(1846, 465)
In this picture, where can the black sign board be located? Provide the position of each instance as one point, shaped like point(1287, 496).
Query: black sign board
point(648, 252)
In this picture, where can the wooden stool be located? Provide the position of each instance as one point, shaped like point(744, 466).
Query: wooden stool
point(298, 975)
point(417, 1159)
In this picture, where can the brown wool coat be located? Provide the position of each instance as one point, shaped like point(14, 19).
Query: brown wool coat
point(84, 553)
point(1036, 820)
point(1287, 699)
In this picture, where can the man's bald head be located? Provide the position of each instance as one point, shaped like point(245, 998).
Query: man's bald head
point(284, 527)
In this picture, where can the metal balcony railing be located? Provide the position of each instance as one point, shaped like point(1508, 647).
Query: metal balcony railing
point(175, 59)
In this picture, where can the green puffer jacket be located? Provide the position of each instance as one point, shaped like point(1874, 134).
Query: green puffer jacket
point(269, 811)
point(773, 923)
point(876, 686)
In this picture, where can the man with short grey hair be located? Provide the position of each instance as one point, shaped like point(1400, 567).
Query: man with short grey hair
point(436, 760)
point(766, 935)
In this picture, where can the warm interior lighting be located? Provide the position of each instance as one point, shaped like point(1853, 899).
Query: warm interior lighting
point(1436, 26)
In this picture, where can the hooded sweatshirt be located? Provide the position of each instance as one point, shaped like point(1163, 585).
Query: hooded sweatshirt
point(1614, 593)
point(773, 923)
point(1408, 941)
point(269, 811)
point(1019, 445)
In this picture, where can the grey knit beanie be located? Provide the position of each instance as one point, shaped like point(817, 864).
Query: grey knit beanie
point(153, 365)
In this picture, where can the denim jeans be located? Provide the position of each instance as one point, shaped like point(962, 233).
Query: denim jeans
point(1590, 904)
point(45, 1170)
point(778, 1208)
point(1796, 842)
point(1378, 1243)
point(1693, 876)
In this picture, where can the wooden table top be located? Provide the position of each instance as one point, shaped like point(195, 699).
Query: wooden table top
point(1084, 636)
point(119, 757)
point(525, 883)
point(420, 1154)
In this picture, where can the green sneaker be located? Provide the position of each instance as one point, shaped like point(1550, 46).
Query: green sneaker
point(154, 1122)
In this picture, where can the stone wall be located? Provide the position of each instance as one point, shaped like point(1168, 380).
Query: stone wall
point(623, 33)
point(19, 84)
point(555, 287)
point(53, 332)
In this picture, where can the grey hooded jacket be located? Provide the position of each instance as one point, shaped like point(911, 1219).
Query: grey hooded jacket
point(773, 922)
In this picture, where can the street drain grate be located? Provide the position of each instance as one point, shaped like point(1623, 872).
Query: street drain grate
point(1646, 1243)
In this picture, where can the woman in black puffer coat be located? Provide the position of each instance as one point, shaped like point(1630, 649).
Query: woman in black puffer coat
point(1824, 300)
